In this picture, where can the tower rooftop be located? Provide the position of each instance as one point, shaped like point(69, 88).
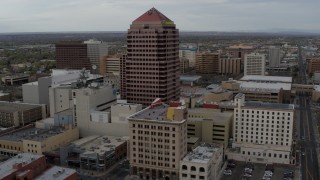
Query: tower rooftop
point(153, 15)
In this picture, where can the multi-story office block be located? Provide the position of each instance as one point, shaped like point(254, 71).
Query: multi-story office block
point(79, 55)
point(210, 125)
point(274, 57)
point(254, 64)
point(158, 141)
point(203, 162)
point(262, 132)
point(313, 65)
point(72, 55)
point(95, 50)
point(111, 64)
point(151, 69)
point(20, 114)
point(207, 63)
point(230, 66)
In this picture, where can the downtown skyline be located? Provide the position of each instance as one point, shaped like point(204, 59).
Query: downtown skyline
point(202, 15)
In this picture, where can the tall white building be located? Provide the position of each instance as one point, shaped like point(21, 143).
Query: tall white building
point(96, 49)
point(254, 64)
point(274, 56)
point(262, 132)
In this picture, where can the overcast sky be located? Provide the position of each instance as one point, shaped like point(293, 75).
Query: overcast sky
point(188, 15)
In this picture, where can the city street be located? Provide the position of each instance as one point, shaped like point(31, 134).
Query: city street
point(308, 143)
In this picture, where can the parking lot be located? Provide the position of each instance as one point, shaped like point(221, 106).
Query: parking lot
point(258, 172)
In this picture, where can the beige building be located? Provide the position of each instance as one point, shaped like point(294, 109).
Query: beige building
point(254, 64)
point(207, 63)
point(210, 125)
point(37, 140)
point(216, 94)
point(262, 132)
point(313, 65)
point(275, 92)
point(20, 114)
point(203, 162)
point(230, 66)
point(239, 50)
point(158, 141)
point(111, 64)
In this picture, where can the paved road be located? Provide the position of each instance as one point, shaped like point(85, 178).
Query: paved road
point(309, 156)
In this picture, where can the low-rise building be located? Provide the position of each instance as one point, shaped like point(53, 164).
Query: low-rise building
point(23, 166)
point(96, 153)
point(58, 173)
point(5, 96)
point(210, 125)
point(20, 114)
point(204, 162)
point(36, 140)
point(17, 79)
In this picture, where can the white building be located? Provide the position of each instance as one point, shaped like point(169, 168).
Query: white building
point(262, 132)
point(204, 162)
point(96, 49)
point(190, 54)
point(274, 56)
point(254, 64)
point(94, 109)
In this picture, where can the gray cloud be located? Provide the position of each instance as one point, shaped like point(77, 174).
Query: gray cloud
point(116, 15)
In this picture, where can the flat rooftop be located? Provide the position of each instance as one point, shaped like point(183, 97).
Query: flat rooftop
point(158, 113)
point(203, 153)
point(257, 78)
point(189, 78)
point(216, 114)
point(155, 113)
point(32, 133)
point(6, 167)
point(99, 144)
point(263, 86)
point(10, 107)
point(56, 173)
point(254, 104)
point(240, 46)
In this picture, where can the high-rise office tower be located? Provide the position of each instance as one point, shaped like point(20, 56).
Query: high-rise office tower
point(274, 56)
point(72, 55)
point(207, 63)
point(96, 49)
point(254, 64)
point(151, 69)
point(79, 55)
